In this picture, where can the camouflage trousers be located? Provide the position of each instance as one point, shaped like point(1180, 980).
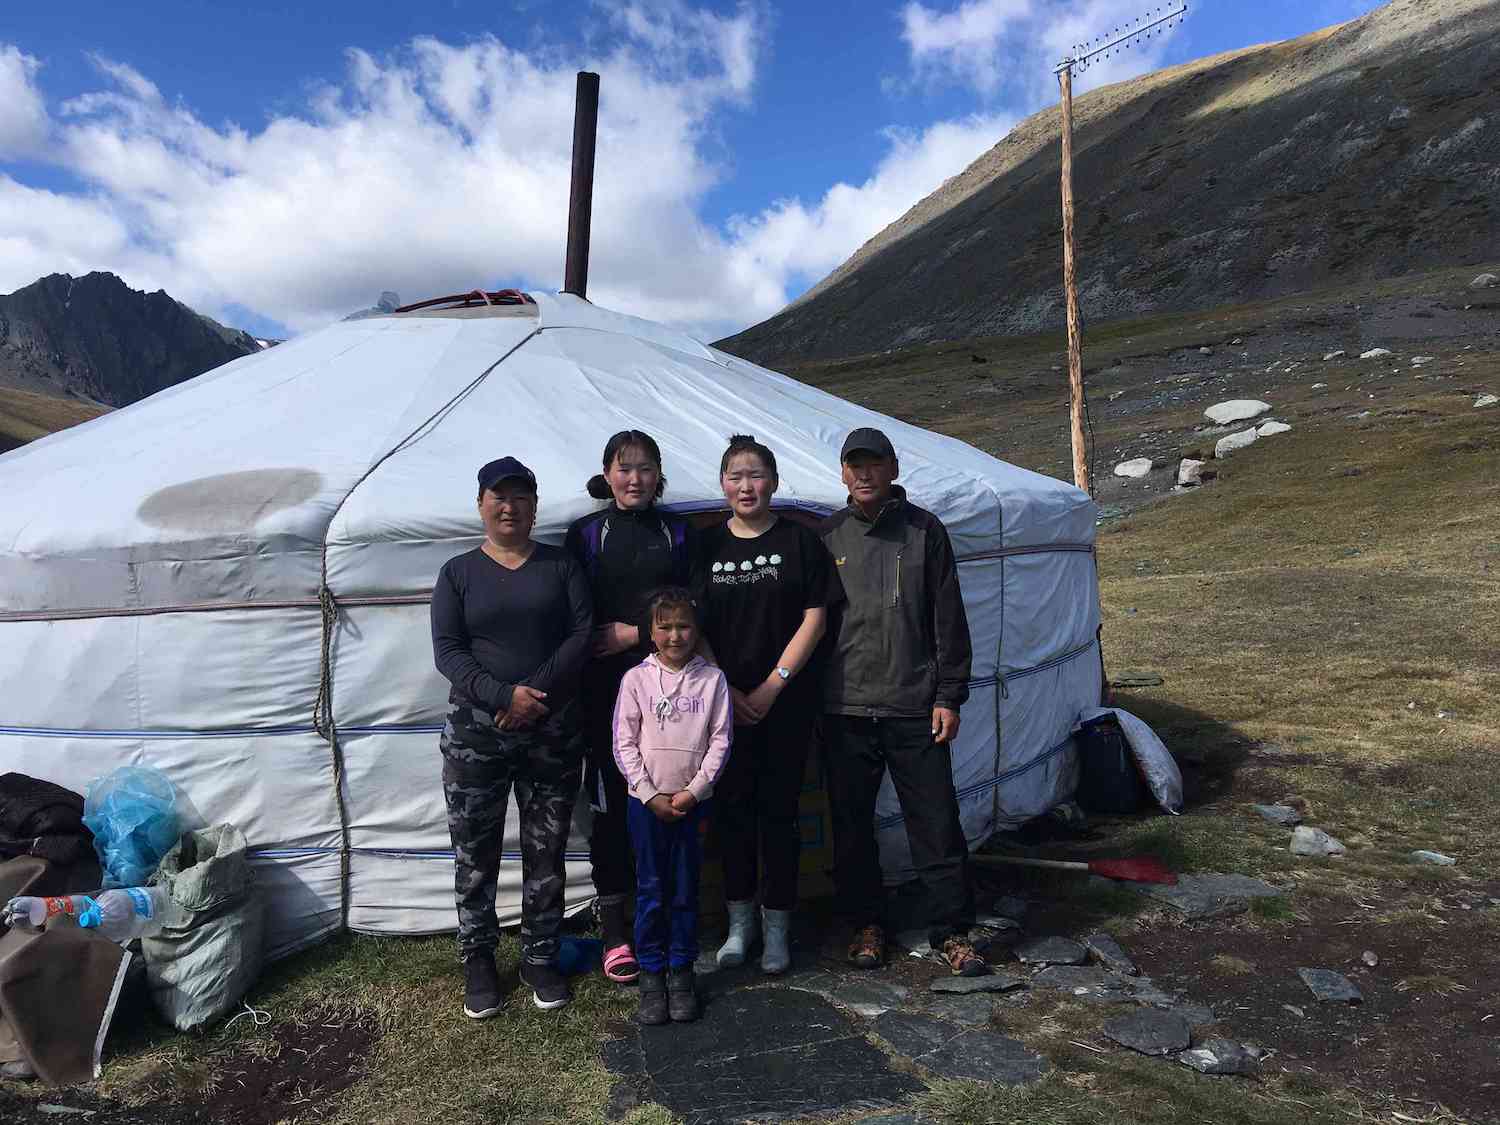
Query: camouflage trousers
point(481, 764)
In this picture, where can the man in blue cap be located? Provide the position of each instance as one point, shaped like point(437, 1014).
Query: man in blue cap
point(510, 632)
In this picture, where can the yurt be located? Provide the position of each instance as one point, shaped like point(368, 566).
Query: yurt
point(229, 581)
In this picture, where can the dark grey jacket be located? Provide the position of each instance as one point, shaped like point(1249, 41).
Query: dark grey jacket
point(899, 642)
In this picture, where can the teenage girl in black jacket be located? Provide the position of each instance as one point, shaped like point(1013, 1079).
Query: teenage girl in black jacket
point(628, 550)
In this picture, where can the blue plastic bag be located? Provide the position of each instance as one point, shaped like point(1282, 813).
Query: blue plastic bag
point(132, 813)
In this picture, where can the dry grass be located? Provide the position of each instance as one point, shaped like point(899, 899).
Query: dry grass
point(25, 416)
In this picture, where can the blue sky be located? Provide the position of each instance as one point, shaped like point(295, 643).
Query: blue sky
point(280, 164)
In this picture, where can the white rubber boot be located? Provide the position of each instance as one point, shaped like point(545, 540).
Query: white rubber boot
point(743, 931)
point(776, 957)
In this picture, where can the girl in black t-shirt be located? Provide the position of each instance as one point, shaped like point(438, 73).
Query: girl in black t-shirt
point(767, 583)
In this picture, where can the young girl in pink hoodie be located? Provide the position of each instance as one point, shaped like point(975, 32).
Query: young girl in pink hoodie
point(673, 723)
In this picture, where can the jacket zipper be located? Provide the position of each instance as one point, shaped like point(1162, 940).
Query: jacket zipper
point(896, 595)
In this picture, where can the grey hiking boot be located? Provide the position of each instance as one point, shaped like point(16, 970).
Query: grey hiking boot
point(653, 990)
point(549, 988)
point(482, 997)
point(682, 995)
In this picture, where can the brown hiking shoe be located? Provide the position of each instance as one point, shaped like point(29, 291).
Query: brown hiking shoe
point(963, 959)
point(867, 950)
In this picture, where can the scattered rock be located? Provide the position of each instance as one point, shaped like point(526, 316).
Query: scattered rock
point(1314, 841)
point(1329, 985)
point(1227, 445)
point(1270, 429)
point(1149, 1031)
point(1418, 360)
point(1375, 353)
point(1189, 473)
point(1370, 958)
point(868, 997)
point(1333, 355)
point(1236, 410)
point(984, 1056)
point(1222, 1056)
point(1143, 990)
point(1108, 952)
point(1318, 386)
point(1296, 1011)
point(976, 358)
point(1205, 351)
point(1211, 895)
point(1085, 981)
point(995, 982)
point(1485, 281)
point(1437, 859)
point(976, 1009)
point(1486, 400)
point(1052, 951)
point(1135, 468)
point(1236, 342)
point(1284, 815)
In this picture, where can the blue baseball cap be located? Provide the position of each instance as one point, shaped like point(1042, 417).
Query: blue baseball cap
point(506, 468)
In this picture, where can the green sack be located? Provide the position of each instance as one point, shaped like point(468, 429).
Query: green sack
point(206, 957)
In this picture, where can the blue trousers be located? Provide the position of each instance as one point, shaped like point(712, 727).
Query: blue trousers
point(668, 859)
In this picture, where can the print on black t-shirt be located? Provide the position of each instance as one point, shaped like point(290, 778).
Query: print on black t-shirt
point(755, 593)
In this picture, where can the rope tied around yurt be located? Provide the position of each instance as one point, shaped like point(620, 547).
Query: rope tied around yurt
point(323, 723)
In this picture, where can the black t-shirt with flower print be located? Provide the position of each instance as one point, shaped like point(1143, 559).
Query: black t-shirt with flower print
point(755, 593)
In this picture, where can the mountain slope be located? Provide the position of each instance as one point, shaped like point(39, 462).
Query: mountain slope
point(95, 338)
point(1365, 150)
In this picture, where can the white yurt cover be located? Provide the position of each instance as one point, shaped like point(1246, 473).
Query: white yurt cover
point(179, 578)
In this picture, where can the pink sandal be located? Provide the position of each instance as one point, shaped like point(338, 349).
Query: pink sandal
point(620, 965)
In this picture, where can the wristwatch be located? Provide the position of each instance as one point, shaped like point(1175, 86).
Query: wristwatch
point(784, 673)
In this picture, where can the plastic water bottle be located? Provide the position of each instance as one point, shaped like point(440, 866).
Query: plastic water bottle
point(32, 912)
point(127, 913)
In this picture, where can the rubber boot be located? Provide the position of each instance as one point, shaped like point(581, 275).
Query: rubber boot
point(682, 995)
point(742, 934)
point(776, 957)
point(653, 999)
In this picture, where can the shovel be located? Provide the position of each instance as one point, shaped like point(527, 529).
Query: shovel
point(1145, 869)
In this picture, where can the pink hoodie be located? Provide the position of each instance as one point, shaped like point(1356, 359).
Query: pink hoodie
point(682, 745)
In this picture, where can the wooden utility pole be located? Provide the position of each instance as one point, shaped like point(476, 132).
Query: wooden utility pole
point(581, 194)
point(1070, 286)
point(1156, 22)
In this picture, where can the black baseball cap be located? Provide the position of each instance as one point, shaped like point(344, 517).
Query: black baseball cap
point(506, 468)
point(867, 439)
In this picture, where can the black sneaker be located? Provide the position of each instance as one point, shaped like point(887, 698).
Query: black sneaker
point(482, 997)
point(682, 996)
point(549, 988)
point(653, 990)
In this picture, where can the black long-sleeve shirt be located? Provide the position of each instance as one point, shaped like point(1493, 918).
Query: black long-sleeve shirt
point(494, 628)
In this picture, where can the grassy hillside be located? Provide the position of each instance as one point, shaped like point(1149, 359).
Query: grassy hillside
point(25, 416)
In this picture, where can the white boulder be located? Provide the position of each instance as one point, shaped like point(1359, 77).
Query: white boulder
point(1236, 410)
point(1227, 445)
point(1268, 429)
point(1314, 841)
point(1485, 281)
point(1486, 400)
point(1334, 355)
point(1375, 353)
point(1189, 473)
point(1135, 467)
point(1319, 386)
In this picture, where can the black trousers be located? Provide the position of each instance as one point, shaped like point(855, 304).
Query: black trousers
point(755, 805)
point(610, 858)
point(858, 751)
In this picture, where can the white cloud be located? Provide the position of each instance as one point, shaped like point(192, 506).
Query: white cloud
point(791, 243)
point(441, 167)
point(1008, 48)
point(23, 116)
point(965, 42)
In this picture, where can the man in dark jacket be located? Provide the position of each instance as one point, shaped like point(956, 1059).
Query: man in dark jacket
point(897, 675)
